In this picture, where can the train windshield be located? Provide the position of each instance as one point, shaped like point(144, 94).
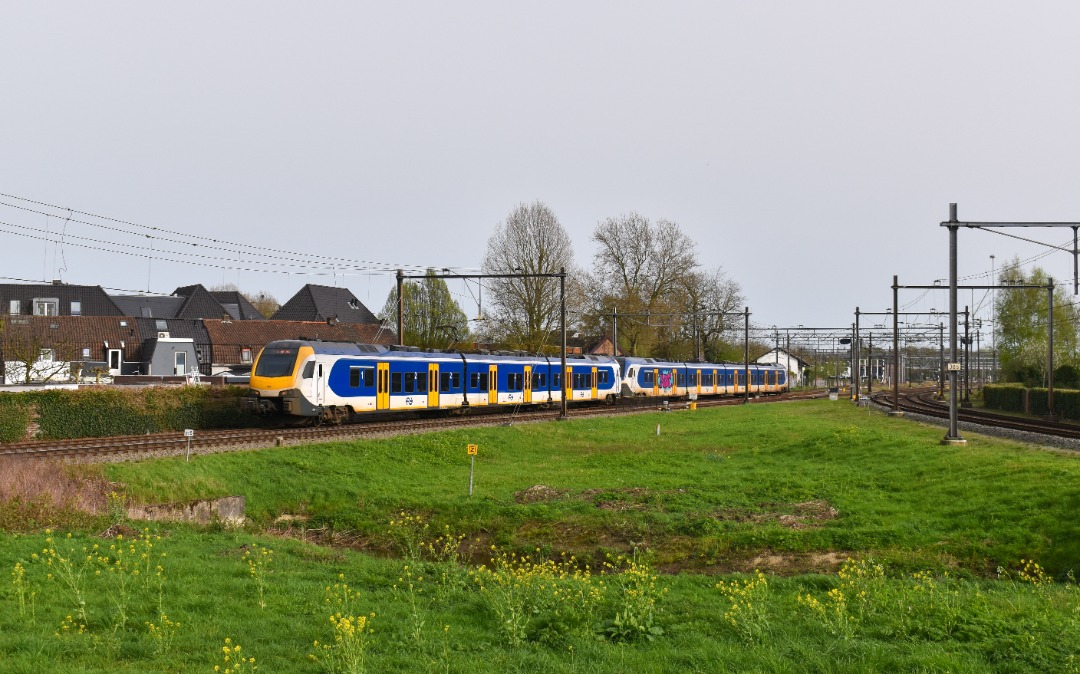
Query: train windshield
point(276, 362)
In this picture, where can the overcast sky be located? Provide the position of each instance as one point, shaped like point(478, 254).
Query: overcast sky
point(811, 149)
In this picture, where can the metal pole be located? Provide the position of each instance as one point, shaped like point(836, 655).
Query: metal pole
point(1076, 262)
point(953, 436)
point(941, 359)
point(400, 309)
point(614, 332)
point(978, 355)
point(562, 329)
point(967, 360)
point(896, 347)
point(993, 321)
point(856, 376)
point(1050, 350)
point(870, 364)
point(746, 352)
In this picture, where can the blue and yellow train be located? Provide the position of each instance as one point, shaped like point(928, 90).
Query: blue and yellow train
point(334, 382)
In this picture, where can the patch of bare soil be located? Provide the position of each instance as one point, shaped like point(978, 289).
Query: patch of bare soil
point(778, 563)
point(118, 530)
point(806, 515)
point(539, 493)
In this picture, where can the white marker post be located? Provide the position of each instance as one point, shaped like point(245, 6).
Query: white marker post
point(189, 433)
point(472, 465)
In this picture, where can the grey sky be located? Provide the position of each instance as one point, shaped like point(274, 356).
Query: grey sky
point(810, 148)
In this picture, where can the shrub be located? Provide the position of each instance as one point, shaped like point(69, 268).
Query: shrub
point(15, 412)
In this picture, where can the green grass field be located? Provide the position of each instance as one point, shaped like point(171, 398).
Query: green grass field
point(588, 546)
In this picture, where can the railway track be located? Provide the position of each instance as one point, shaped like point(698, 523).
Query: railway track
point(131, 447)
point(924, 402)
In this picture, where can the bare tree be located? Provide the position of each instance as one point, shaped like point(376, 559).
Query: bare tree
point(641, 267)
point(31, 352)
point(530, 241)
point(707, 299)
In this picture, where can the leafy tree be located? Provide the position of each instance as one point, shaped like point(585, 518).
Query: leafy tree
point(1021, 330)
point(526, 310)
point(433, 318)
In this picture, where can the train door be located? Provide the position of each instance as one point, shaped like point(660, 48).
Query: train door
point(656, 382)
point(382, 386)
point(698, 384)
point(433, 385)
point(568, 383)
point(526, 385)
point(594, 394)
point(735, 375)
point(493, 384)
point(320, 383)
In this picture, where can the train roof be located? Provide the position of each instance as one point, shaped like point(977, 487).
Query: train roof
point(631, 361)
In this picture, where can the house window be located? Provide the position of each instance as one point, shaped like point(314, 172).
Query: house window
point(86, 353)
point(46, 306)
point(123, 324)
point(245, 355)
point(161, 325)
point(14, 307)
point(146, 312)
point(47, 355)
point(76, 308)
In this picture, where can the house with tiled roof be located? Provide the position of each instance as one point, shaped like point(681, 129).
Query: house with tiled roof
point(238, 306)
point(56, 299)
point(58, 348)
point(315, 303)
point(235, 344)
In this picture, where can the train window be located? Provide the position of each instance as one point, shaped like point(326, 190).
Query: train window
point(515, 381)
point(421, 381)
point(588, 380)
point(369, 376)
point(444, 382)
point(354, 377)
point(556, 380)
point(410, 382)
point(603, 375)
point(647, 378)
point(395, 382)
point(309, 369)
point(276, 362)
point(483, 380)
point(706, 379)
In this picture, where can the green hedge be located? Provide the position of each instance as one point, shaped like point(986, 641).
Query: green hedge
point(1007, 397)
point(100, 412)
point(1010, 397)
point(15, 412)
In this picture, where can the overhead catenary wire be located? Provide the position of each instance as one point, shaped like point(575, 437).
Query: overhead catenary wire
point(181, 238)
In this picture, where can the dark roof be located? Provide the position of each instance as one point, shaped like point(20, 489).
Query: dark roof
point(147, 306)
point(94, 301)
point(69, 335)
point(237, 305)
point(229, 337)
point(324, 303)
point(198, 303)
point(148, 328)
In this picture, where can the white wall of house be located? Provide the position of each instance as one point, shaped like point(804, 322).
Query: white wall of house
point(786, 360)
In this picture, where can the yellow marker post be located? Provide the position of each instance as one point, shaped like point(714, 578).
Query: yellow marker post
point(472, 464)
